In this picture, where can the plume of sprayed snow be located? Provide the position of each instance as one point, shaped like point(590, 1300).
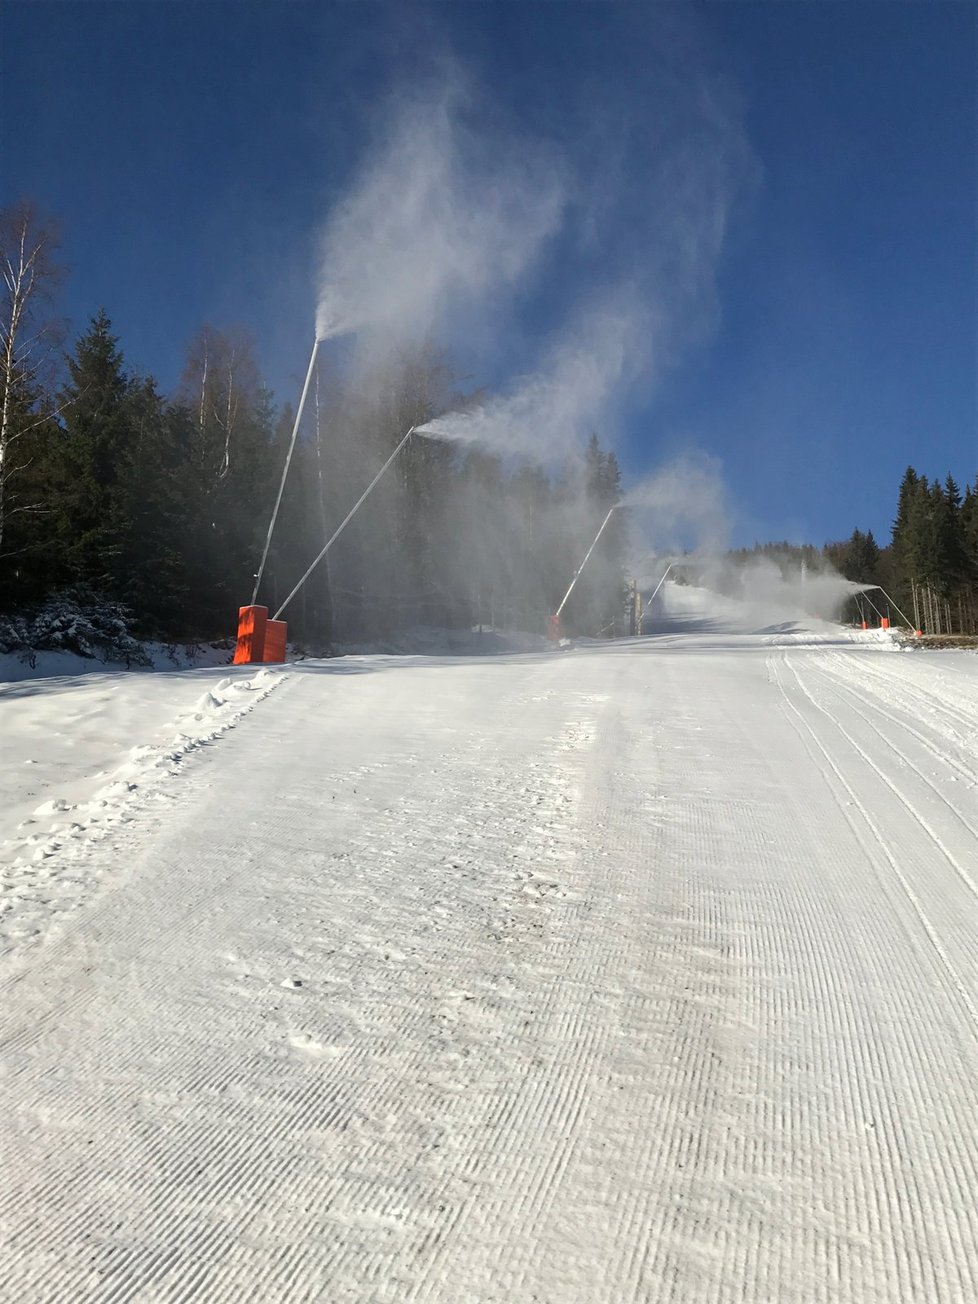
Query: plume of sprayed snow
point(681, 515)
point(621, 341)
point(438, 219)
point(767, 592)
point(683, 506)
point(555, 410)
point(789, 588)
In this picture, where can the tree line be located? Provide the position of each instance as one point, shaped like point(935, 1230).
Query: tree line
point(928, 569)
point(111, 490)
point(930, 566)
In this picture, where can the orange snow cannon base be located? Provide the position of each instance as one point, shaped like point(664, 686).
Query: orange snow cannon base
point(252, 622)
point(275, 636)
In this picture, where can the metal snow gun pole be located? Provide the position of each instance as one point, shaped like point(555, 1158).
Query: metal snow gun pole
point(554, 622)
point(345, 522)
point(264, 639)
point(261, 639)
point(660, 584)
point(885, 620)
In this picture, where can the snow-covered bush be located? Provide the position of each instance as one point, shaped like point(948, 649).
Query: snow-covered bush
point(73, 622)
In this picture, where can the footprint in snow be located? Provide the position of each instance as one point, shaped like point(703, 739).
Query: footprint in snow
point(308, 1045)
point(52, 807)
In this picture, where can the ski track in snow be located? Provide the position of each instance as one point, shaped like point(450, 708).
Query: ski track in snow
point(647, 972)
point(46, 863)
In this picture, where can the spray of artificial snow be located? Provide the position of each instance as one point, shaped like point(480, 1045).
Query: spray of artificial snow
point(681, 519)
point(619, 337)
point(438, 223)
point(552, 412)
point(445, 222)
point(682, 506)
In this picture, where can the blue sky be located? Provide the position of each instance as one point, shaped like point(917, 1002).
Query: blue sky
point(193, 151)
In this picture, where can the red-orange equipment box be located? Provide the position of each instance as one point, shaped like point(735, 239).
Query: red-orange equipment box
point(252, 622)
point(275, 640)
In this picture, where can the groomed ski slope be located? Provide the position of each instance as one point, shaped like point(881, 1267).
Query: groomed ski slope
point(641, 972)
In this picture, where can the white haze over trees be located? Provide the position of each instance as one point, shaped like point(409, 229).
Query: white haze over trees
point(680, 522)
point(442, 227)
point(683, 505)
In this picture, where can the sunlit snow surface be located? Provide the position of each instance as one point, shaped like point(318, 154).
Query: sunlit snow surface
point(641, 971)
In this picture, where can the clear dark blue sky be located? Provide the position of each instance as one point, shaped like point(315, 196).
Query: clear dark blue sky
point(192, 150)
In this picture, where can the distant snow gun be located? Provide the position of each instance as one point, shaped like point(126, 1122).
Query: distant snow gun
point(264, 639)
point(553, 624)
point(648, 605)
point(864, 591)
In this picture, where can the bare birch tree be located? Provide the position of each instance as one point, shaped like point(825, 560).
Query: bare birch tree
point(220, 377)
point(31, 274)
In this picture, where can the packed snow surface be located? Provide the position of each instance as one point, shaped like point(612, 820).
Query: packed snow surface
point(643, 971)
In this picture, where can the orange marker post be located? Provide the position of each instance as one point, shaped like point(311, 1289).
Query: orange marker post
point(252, 622)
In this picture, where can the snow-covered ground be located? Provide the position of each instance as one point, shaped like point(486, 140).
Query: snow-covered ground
point(638, 972)
point(82, 753)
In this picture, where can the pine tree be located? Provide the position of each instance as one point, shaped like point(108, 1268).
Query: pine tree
point(155, 582)
point(858, 558)
point(901, 543)
point(31, 565)
point(969, 531)
point(94, 507)
point(951, 537)
point(969, 526)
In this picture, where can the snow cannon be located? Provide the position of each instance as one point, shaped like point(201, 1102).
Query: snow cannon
point(259, 639)
point(554, 623)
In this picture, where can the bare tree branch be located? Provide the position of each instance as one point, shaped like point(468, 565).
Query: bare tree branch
point(30, 275)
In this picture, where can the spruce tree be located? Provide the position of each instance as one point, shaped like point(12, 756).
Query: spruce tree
point(969, 532)
point(901, 545)
point(155, 582)
point(951, 544)
point(94, 508)
point(969, 525)
point(31, 564)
